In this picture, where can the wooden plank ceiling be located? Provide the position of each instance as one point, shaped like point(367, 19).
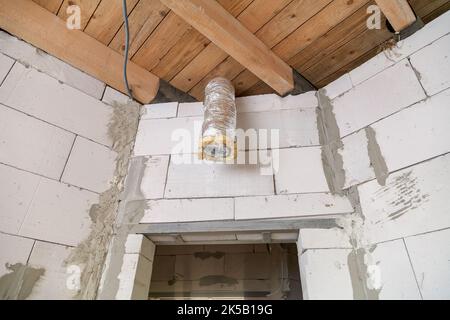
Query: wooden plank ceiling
point(321, 39)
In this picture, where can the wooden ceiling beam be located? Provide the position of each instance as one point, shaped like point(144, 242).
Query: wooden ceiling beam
point(398, 12)
point(219, 26)
point(29, 21)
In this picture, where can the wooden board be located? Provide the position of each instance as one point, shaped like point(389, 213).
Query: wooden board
point(398, 12)
point(213, 21)
point(34, 24)
point(303, 33)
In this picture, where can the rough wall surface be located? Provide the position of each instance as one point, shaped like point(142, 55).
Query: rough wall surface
point(392, 114)
point(61, 164)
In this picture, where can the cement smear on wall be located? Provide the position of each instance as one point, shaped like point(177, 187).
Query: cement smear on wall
point(18, 284)
point(91, 253)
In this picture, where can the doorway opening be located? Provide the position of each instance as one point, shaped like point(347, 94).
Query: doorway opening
point(241, 271)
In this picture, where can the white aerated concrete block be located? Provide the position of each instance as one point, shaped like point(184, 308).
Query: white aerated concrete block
point(55, 283)
point(300, 171)
point(339, 86)
point(325, 275)
point(112, 96)
point(391, 272)
point(430, 33)
point(216, 236)
point(190, 109)
point(17, 190)
point(432, 64)
point(372, 67)
point(199, 180)
point(33, 145)
point(430, 258)
point(356, 161)
point(291, 206)
point(296, 127)
point(188, 210)
point(415, 134)
point(414, 200)
point(59, 214)
point(168, 136)
point(13, 250)
point(134, 278)
point(43, 97)
point(153, 181)
point(6, 64)
point(91, 166)
point(159, 110)
point(29, 55)
point(140, 244)
point(273, 102)
point(377, 98)
point(334, 238)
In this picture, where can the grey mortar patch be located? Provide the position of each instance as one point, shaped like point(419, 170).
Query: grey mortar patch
point(91, 253)
point(376, 157)
point(19, 283)
point(357, 260)
point(330, 140)
point(131, 210)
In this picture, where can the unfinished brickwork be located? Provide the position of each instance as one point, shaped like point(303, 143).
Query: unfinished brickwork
point(359, 178)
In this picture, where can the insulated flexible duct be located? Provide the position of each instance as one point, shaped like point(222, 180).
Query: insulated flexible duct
point(219, 126)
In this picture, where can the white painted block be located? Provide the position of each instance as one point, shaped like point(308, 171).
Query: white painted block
point(250, 237)
point(91, 166)
point(304, 100)
point(13, 250)
point(295, 128)
point(53, 283)
point(29, 55)
point(300, 171)
point(325, 275)
point(273, 102)
point(17, 190)
point(334, 238)
point(199, 180)
point(356, 161)
point(386, 93)
point(339, 86)
point(428, 34)
point(188, 210)
point(168, 136)
point(391, 272)
point(153, 181)
point(43, 97)
point(6, 64)
point(291, 206)
point(433, 65)
point(430, 258)
point(33, 145)
point(190, 109)
point(140, 244)
point(414, 200)
point(159, 110)
point(59, 214)
point(209, 237)
point(284, 236)
point(112, 96)
point(367, 70)
point(415, 134)
point(134, 278)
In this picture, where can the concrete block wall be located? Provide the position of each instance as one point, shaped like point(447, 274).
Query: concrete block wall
point(55, 162)
point(392, 113)
point(179, 188)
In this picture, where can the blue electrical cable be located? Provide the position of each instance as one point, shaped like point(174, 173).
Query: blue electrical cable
point(127, 47)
